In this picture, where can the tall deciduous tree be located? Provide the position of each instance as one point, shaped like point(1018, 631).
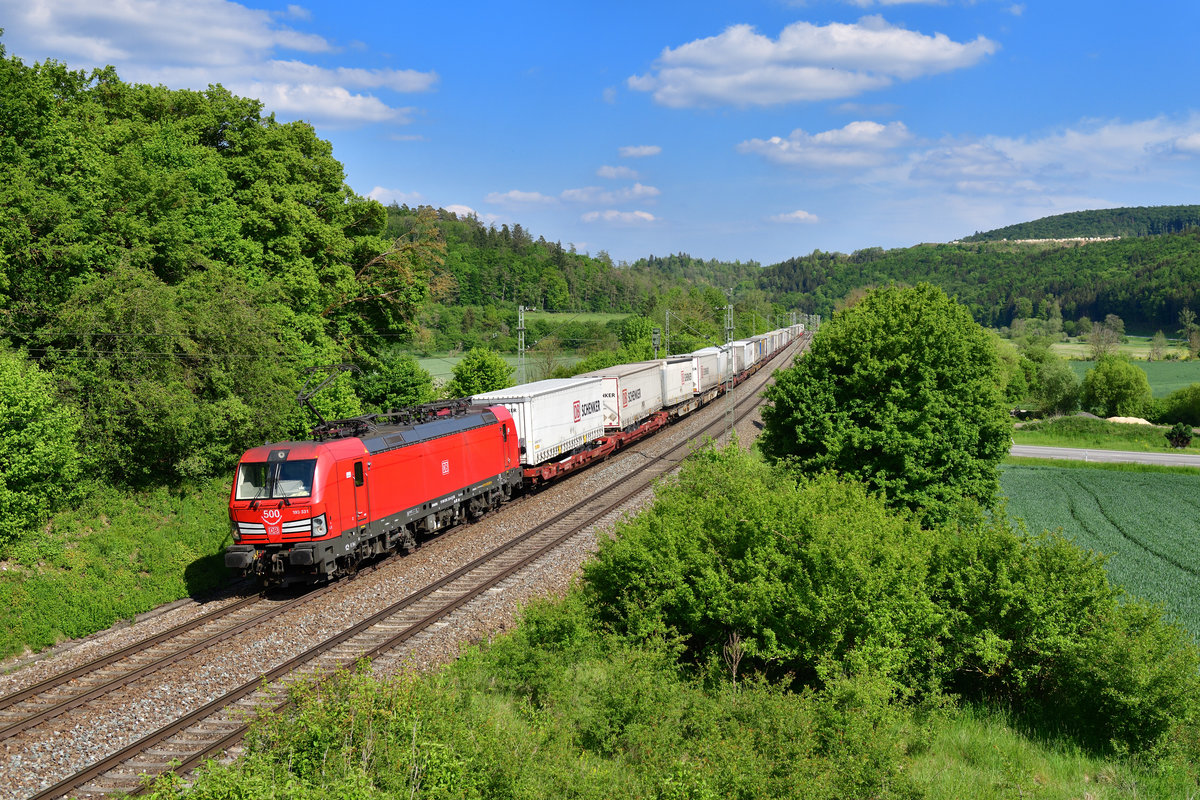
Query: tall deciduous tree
point(901, 391)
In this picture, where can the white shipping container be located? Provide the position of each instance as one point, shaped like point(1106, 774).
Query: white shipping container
point(678, 380)
point(631, 393)
point(707, 365)
point(552, 417)
point(743, 351)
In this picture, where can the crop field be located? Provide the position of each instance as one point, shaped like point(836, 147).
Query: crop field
point(1147, 522)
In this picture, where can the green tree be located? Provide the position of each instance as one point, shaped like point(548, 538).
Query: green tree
point(39, 465)
point(1116, 387)
point(1158, 346)
point(1058, 387)
point(480, 370)
point(399, 382)
point(901, 391)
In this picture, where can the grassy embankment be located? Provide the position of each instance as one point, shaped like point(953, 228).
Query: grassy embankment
point(112, 557)
point(1098, 434)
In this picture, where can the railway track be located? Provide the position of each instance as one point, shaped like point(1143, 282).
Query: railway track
point(221, 723)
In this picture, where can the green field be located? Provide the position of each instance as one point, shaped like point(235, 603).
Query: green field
point(1136, 347)
point(558, 317)
point(1148, 523)
point(1165, 376)
point(441, 366)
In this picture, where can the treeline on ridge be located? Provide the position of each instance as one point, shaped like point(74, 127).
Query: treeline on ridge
point(1146, 281)
point(1095, 223)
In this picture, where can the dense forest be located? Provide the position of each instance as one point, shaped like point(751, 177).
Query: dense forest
point(1144, 280)
point(1099, 223)
point(487, 272)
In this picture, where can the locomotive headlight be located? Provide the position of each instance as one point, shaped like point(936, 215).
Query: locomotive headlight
point(237, 535)
point(318, 526)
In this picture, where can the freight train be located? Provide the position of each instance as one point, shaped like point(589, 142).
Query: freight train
point(312, 511)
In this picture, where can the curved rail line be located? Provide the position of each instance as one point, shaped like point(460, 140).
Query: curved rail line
point(223, 722)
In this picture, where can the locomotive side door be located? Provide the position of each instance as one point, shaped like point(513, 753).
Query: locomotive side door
point(361, 507)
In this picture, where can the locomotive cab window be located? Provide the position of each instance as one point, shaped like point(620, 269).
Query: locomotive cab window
point(268, 481)
point(358, 473)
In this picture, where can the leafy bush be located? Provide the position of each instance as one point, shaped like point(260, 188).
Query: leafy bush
point(811, 575)
point(39, 465)
point(1115, 387)
point(1057, 387)
point(816, 579)
point(399, 382)
point(1181, 405)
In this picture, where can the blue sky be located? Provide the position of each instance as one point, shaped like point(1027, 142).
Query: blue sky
point(754, 130)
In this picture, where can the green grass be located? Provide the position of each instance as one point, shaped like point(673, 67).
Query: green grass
point(1145, 522)
point(1063, 463)
point(979, 754)
point(1098, 434)
point(113, 557)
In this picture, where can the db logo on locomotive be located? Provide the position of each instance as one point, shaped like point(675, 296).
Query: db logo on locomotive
point(271, 518)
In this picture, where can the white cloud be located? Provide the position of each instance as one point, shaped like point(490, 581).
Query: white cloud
point(518, 197)
point(741, 67)
point(795, 216)
point(1065, 160)
point(389, 196)
point(857, 145)
point(195, 43)
point(640, 151)
point(1188, 143)
point(617, 173)
point(619, 217)
point(597, 195)
point(332, 105)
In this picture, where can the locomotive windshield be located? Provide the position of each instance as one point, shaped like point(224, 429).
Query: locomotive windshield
point(266, 481)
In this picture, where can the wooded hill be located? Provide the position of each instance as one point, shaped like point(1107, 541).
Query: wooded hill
point(1144, 280)
point(1104, 222)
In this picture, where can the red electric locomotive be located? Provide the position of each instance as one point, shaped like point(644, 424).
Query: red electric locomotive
point(305, 512)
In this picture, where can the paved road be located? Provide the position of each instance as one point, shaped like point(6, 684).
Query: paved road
point(1110, 456)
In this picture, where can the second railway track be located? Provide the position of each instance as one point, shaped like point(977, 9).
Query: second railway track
point(212, 725)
